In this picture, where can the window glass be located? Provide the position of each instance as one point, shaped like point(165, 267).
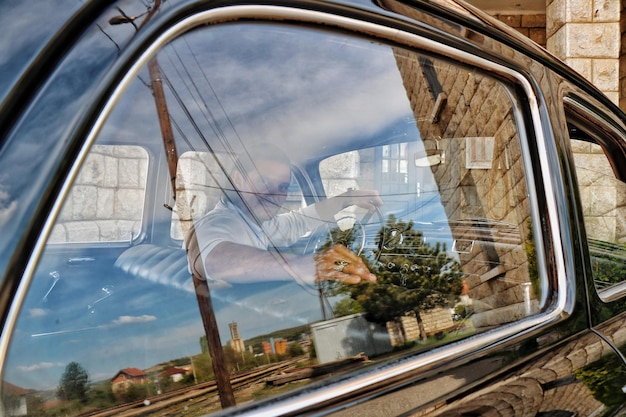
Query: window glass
point(308, 180)
point(599, 161)
point(106, 202)
point(450, 244)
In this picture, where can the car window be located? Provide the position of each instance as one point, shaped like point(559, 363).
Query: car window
point(106, 203)
point(598, 153)
point(450, 250)
point(197, 184)
point(314, 201)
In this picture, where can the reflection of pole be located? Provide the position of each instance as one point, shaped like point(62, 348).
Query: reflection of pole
point(193, 369)
point(526, 286)
point(222, 379)
point(164, 121)
point(321, 293)
point(203, 294)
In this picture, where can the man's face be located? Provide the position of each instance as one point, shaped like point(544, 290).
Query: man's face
point(264, 191)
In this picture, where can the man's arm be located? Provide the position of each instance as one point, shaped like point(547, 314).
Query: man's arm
point(240, 264)
point(367, 199)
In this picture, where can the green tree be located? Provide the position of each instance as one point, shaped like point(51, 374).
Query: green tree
point(295, 349)
point(412, 275)
point(101, 395)
point(74, 383)
point(604, 378)
point(203, 367)
point(347, 306)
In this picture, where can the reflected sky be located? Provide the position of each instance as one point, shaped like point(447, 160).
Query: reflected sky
point(307, 91)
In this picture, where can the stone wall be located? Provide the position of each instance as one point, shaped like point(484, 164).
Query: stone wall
point(530, 25)
point(482, 178)
point(437, 320)
point(107, 200)
point(586, 35)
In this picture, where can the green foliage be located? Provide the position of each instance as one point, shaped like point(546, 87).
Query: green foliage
point(294, 349)
point(413, 275)
point(101, 396)
point(531, 255)
point(463, 311)
point(312, 352)
point(347, 306)
point(134, 392)
point(203, 366)
point(608, 262)
point(604, 378)
point(74, 383)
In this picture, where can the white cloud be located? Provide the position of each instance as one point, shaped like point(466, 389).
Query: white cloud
point(7, 208)
point(17, 19)
point(122, 320)
point(39, 366)
point(37, 312)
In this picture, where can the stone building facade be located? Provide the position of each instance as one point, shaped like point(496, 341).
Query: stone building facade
point(587, 34)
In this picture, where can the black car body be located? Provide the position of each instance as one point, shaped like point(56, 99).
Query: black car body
point(499, 250)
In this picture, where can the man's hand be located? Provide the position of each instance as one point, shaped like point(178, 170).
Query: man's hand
point(341, 264)
point(367, 199)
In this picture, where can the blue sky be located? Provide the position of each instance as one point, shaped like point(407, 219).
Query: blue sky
point(300, 90)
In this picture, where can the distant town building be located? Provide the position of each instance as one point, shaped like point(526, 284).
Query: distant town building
point(235, 342)
point(281, 346)
point(127, 377)
point(266, 347)
point(174, 373)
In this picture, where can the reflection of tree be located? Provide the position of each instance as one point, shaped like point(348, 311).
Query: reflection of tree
point(412, 275)
point(74, 383)
point(604, 378)
point(608, 262)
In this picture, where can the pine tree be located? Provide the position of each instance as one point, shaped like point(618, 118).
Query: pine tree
point(413, 275)
point(74, 383)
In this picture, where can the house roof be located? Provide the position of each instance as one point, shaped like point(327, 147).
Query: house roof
point(131, 372)
point(11, 389)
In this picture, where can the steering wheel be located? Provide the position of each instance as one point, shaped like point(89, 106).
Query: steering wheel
point(354, 237)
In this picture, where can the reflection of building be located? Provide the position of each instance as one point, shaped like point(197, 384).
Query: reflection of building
point(280, 346)
point(349, 336)
point(127, 377)
point(175, 374)
point(17, 404)
point(406, 329)
point(266, 347)
point(235, 342)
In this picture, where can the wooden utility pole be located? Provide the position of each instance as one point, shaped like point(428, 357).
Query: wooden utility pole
point(203, 294)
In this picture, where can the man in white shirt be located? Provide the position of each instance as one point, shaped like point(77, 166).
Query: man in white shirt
point(236, 240)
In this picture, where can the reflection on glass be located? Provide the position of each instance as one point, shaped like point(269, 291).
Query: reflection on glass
point(602, 199)
point(445, 243)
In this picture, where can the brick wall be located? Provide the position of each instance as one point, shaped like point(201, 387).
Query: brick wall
point(530, 25)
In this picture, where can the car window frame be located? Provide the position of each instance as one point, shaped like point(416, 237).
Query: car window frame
point(592, 114)
point(556, 307)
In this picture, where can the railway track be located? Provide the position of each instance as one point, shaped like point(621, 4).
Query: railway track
point(195, 393)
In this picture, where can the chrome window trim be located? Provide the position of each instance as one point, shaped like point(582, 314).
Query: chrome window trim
point(613, 293)
point(598, 112)
point(303, 399)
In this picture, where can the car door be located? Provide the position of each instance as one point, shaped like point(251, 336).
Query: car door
point(477, 304)
point(597, 143)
